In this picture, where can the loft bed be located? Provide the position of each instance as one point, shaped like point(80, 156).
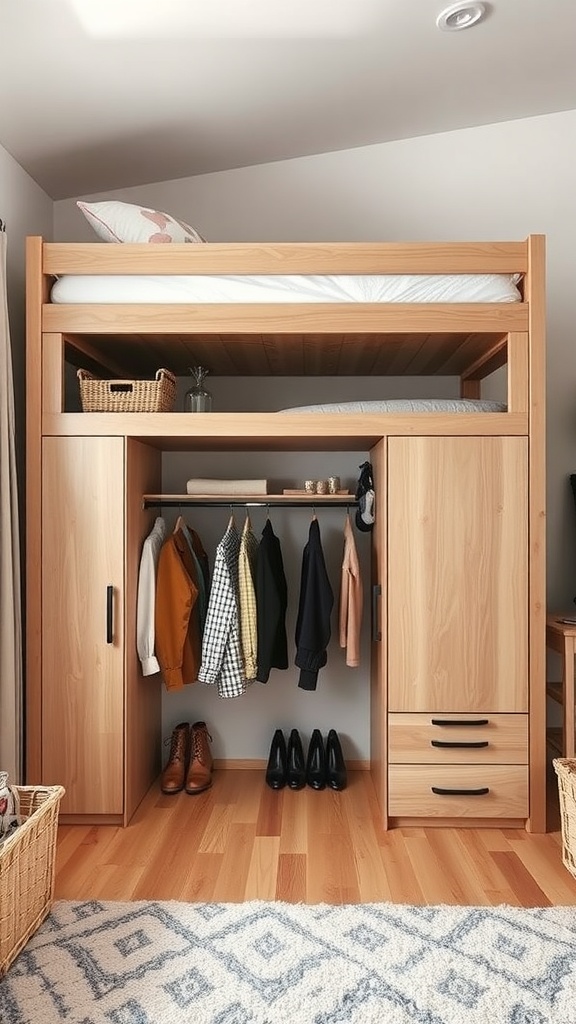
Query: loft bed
point(468, 338)
point(464, 339)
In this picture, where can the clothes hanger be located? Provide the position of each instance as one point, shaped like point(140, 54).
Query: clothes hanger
point(179, 524)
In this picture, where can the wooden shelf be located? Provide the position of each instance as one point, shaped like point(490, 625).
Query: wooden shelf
point(287, 500)
point(266, 431)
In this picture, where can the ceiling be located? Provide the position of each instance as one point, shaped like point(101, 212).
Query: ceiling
point(92, 101)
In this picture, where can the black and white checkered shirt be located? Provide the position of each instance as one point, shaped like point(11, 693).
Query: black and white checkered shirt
point(221, 654)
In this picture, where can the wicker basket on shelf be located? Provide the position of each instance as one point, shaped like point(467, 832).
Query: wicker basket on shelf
point(27, 870)
point(99, 395)
point(565, 769)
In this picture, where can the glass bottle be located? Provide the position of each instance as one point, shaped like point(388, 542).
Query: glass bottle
point(198, 398)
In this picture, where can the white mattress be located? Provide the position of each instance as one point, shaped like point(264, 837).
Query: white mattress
point(289, 288)
point(396, 405)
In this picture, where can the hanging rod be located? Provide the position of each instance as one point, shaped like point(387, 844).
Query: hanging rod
point(252, 501)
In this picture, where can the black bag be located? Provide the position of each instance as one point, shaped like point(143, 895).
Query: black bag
point(365, 497)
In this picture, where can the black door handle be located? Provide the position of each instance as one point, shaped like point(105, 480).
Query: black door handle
point(376, 592)
point(447, 743)
point(460, 792)
point(110, 614)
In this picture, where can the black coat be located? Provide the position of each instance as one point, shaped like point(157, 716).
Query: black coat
point(271, 603)
point(314, 609)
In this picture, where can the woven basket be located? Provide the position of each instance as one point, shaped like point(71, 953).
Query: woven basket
point(27, 870)
point(565, 769)
point(156, 395)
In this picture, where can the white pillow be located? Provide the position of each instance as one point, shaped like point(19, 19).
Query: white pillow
point(123, 222)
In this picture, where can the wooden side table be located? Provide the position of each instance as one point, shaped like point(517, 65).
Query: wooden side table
point(561, 637)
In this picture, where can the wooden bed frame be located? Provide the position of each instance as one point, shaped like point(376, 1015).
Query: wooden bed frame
point(467, 340)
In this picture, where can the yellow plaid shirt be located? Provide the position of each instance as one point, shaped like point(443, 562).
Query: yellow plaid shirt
point(247, 602)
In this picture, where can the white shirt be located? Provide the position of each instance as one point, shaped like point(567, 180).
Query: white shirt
point(146, 598)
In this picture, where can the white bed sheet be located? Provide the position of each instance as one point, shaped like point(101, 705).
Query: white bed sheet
point(401, 405)
point(289, 288)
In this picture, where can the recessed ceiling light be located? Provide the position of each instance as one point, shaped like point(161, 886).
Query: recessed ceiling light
point(460, 16)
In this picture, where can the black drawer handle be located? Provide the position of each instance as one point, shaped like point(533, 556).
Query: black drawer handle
point(458, 721)
point(460, 792)
point(110, 615)
point(447, 743)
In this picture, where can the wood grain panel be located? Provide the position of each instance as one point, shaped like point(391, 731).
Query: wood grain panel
point(143, 711)
point(82, 674)
point(458, 574)
point(288, 258)
point(274, 432)
point(35, 296)
point(411, 737)
point(262, 353)
point(288, 318)
point(535, 288)
point(379, 635)
point(410, 790)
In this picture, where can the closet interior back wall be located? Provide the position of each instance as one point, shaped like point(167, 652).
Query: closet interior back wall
point(242, 727)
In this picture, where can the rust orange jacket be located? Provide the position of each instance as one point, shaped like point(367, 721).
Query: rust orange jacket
point(177, 627)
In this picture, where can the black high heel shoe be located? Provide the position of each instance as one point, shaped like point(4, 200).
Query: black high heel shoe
point(296, 771)
point(336, 774)
point(277, 762)
point(316, 762)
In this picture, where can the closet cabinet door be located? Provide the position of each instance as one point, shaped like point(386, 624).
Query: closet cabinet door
point(458, 574)
point(82, 621)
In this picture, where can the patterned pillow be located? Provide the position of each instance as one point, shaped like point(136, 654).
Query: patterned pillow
point(9, 808)
point(123, 222)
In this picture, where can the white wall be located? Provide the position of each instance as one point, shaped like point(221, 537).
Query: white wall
point(500, 181)
point(26, 210)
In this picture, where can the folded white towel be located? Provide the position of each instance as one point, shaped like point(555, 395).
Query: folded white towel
point(201, 485)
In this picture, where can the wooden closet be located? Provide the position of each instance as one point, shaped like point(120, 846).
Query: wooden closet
point(458, 611)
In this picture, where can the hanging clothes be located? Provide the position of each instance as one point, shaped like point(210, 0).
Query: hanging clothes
point(351, 598)
point(247, 600)
point(221, 653)
point(146, 598)
point(271, 604)
point(177, 633)
point(314, 610)
point(202, 573)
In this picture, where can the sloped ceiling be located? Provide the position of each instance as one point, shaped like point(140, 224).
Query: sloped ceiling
point(89, 105)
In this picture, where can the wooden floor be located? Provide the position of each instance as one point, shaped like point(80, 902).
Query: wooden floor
point(243, 841)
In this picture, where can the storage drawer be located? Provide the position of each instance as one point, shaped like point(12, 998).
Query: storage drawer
point(457, 739)
point(470, 791)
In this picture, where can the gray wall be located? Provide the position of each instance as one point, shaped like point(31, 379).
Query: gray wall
point(26, 210)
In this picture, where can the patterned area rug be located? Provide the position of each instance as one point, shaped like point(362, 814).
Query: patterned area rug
point(277, 963)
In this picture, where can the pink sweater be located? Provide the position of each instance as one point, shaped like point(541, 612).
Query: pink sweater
point(351, 599)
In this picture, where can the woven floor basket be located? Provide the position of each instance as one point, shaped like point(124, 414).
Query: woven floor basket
point(156, 395)
point(565, 769)
point(27, 870)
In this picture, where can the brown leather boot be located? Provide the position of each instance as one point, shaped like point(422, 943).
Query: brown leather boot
point(199, 775)
point(174, 773)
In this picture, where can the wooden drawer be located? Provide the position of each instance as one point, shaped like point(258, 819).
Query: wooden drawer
point(411, 794)
point(501, 739)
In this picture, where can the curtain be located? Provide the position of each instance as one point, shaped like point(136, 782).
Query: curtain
point(10, 607)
